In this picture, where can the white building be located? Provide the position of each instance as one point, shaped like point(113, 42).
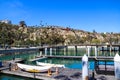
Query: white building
point(6, 21)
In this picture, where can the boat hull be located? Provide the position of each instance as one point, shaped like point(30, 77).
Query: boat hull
point(32, 68)
point(48, 64)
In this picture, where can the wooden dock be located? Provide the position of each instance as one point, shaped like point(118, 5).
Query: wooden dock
point(28, 75)
point(105, 66)
point(16, 60)
point(99, 68)
point(3, 68)
point(5, 64)
point(38, 58)
point(63, 74)
point(80, 57)
point(17, 50)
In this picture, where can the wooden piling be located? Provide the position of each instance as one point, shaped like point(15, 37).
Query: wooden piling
point(49, 72)
point(76, 50)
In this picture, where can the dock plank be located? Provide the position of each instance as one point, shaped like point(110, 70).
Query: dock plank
point(28, 75)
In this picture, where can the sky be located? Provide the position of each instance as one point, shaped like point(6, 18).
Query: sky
point(87, 15)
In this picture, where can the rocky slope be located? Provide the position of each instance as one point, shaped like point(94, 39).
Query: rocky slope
point(23, 35)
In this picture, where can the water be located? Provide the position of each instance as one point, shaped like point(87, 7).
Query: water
point(24, 55)
point(10, 77)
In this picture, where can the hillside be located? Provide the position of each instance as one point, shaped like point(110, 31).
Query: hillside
point(22, 35)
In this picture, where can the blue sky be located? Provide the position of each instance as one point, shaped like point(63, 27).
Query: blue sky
point(88, 15)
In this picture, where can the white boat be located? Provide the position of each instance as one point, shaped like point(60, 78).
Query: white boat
point(48, 64)
point(32, 68)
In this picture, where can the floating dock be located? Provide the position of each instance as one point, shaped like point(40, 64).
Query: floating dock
point(63, 74)
point(27, 75)
point(38, 58)
point(80, 57)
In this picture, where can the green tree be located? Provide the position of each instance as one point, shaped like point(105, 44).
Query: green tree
point(96, 41)
point(22, 24)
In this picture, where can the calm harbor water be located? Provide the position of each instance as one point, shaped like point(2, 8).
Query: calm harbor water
point(69, 63)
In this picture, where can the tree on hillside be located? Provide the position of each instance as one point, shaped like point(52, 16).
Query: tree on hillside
point(22, 24)
point(70, 39)
point(96, 41)
point(41, 24)
point(89, 38)
point(6, 34)
point(22, 31)
point(50, 36)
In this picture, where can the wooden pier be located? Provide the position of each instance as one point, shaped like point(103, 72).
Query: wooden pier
point(17, 50)
point(28, 75)
point(63, 74)
point(80, 57)
point(104, 66)
point(45, 49)
point(5, 64)
point(38, 58)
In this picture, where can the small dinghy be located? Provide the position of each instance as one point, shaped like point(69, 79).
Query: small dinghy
point(48, 64)
point(32, 68)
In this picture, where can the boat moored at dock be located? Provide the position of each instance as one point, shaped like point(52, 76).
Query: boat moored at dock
point(33, 68)
point(48, 64)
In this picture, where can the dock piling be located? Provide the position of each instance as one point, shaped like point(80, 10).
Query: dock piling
point(117, 66)
point(84, 67)
point(76, 50)
point(49, 72)
point(50, 51)
point(45, 51)
point(95, 51)
point(67, 50)
point(88, 51)
point(34, 75)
